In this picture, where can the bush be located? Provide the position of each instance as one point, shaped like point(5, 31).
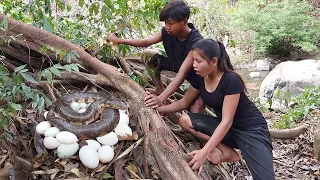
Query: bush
point(279, 27)
point(304, 104)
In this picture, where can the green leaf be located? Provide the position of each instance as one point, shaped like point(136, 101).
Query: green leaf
point(43, 48)
point(35, 100)
point(68, 68)
point(40, 104)
point(27, 91)
point(48, 75)
point(74, 67)
point(13, 107)
point(17, 79)
point(81, 3)
point(55, 71)
point(5, 24)
point(17, 69)
point(106, 12)
point(59, 66)
point(29, 78)
point(48, 25)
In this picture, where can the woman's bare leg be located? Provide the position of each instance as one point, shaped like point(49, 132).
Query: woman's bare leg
point(227, 153)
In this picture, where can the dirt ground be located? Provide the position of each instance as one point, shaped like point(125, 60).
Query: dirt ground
point(293, 158)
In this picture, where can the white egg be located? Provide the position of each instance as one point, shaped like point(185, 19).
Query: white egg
point(124, 111)
point(89, 157)
point(124, 118)
point(45, 114)
point(82, 110)
point(123, 130)
point(50, 142)
point(108, 139)
point(65, 137)
point(42, 126)
point(75, 106)
point(83, 105)
point(53, 131)
point(94, 144)
point(106, 154)
point(66, 150)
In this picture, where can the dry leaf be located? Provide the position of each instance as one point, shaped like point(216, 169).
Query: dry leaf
point(75, 171)
point(50, 171)
point(134, 136)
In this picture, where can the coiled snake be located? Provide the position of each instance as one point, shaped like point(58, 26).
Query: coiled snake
point(108, 109)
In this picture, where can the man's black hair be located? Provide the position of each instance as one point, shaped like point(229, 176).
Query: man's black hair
point(176, 10)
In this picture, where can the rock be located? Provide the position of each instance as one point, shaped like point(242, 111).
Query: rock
point(316, 142)
point(255, 74)
point(262, 65)
point(291, 77)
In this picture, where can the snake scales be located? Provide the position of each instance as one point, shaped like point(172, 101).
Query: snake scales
point(108, 109)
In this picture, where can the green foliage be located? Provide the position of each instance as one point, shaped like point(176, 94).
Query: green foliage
point(86, 23)
point(141, 81)
point(257, 102)
point(304, 103)
point(211, 17)
point(279, 27)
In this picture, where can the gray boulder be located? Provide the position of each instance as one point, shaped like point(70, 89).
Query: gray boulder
point(291, 77)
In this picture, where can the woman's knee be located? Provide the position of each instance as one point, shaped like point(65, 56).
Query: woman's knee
point(185, 121)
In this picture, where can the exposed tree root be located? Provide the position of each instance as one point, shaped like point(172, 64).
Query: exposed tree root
point(165, 150)
point(288, 133)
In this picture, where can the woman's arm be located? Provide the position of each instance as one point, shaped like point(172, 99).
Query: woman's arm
point(180, 77)
point(155, 101)
point(230, 104)
point(191, 94)
point(136, 42)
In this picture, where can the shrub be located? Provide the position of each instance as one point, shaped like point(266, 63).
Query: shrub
point(279, 27)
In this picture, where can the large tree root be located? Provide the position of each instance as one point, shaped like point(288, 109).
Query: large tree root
point(164, 148)
point(288, 133)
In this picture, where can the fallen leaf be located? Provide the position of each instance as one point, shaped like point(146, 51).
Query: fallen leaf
point(75, 171)
point(107, 176)
point(50, 171)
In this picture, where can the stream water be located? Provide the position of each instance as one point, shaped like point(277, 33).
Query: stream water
point(253, 84)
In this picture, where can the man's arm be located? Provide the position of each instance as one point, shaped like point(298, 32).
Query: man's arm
point(136, 42)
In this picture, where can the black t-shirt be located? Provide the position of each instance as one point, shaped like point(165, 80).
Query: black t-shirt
point(247, 114)
point(177, 50)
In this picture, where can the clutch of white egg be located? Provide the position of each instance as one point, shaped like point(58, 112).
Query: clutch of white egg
point(99, 150)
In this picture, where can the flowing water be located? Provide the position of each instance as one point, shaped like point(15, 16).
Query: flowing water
point(253, 84)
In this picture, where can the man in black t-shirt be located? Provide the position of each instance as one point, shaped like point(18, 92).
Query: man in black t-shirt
point(178, 37)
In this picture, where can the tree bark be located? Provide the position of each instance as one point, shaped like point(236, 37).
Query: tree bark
point(161, 142)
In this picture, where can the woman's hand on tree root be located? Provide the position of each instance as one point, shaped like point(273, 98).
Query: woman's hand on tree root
point(152, 100)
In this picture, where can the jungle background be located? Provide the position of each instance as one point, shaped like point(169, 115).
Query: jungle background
point(35, 70)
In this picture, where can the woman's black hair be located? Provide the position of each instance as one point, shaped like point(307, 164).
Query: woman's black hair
point(176, 10)
point(208, 49)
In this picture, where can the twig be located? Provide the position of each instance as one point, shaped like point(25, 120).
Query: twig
point(133, 173)
point(48, 89)
point(17, 119)
point(134, 145)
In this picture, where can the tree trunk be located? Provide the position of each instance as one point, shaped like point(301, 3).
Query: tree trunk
point(163, 146)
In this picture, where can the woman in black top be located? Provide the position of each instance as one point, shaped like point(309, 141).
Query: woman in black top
point(239, 124)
